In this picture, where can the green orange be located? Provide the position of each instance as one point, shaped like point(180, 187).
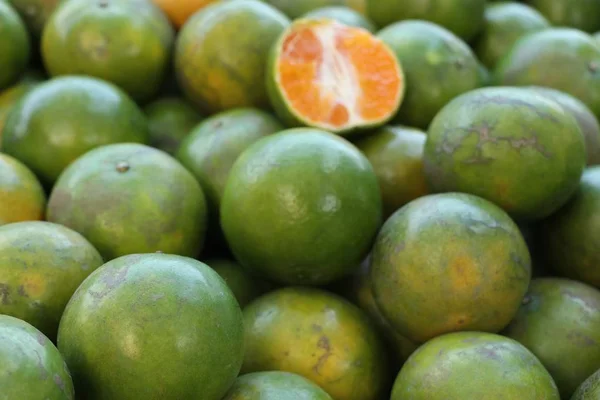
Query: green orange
point(146, 316)
point(297, 8)
point(343, 14)
point(10, 96)
point(275, 385)
point(590, 389)
point(14, 45)
point(22, 197)
point(35, 13)
point(244, 286)
point(580, 14)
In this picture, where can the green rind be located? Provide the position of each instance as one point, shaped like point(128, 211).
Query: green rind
point(297, 8)
point(35, 13)
point(275, 385)
point(580, 14)
point(22, 196)
point(590, 389)
point(14, 45)
point(10, 96)
point(345, 15)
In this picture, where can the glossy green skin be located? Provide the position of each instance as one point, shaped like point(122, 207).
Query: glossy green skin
point(170, 119)
point(221, 54)
point(585, 118)
point(126, 42)
point(345, 15)
point(32, 368)
point(575, 60)
point(590, 389)
point(570, 237)
point(275, 385)
point(297, 8)
point(396, 154)
point(559, 321)
point(14, 45)
point(35, 13)
point(438, 67)
point(318, 335)
point(10, 96)
point(580, 14)
point(62, 119)
point(511, 146)
point(446, 367)
point(244, 286)
point(464, 18)
point(505, 24)
point(129, 198)
point(449, 262)
point(301, 207)
point(146, 316)
point(41, 265)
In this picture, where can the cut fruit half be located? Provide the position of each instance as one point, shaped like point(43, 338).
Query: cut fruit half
point(327, 75)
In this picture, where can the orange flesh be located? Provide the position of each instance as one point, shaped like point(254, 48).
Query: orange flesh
point(338, 76)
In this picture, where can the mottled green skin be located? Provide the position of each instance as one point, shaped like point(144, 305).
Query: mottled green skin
point(153, 327)
point(473, 365)
point(465, 18)
point(126, 42)
point(345, 15)
point(396, 154)
point(61, 119)
point(130, 198)
point(505, 24)
point(22, 197)
point(512, 146)
point(244, 286)
point(301, 207)
point(573, 55)
point(449, 262)
point(559, 321)
point(319, 336)
point(41, 265)
point(170, 119)
point(297, 8)
point(275, 385)
point(10, 96)
point(35, 13)
point(588, 123)
point(571, 237)
point(221, 54)
point(590, 389)
point(31, 368)
point(437, 64)
point(580, 14)
point(14, 45)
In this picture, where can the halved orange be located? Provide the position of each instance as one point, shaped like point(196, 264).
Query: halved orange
point(332, 76)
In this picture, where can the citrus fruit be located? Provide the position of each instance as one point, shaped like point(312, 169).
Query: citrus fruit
point(301, 207)
point(438, 66)
point(573, 55)
point(244, 286)
point(296, 8)
point(221, 54)
point(146, 316)
point(171, 120)
point(571, 236)
point(14, 45)
point(130, 198)
point(41, 266)
point(328, 75)
point(35, 13)
point(318, 335)
point(61, 119)
point(126, 42)
point(449, 262)
point(445, 367)
point(588, 123)
point(396, 154)
point(180, 11)
point(590, 389)
point(275, 385)
point(10, 96)
point(345, 15)
point(22, 197)
point(559, 321)
point(32, 367)
point(505, 24)
point(512, 146)
point(581, 14)
point(464, 18)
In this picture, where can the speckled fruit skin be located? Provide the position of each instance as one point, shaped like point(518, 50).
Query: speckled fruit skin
point(449, 262)
point(571, 237)
point(512, 146)
point(22, 197)
point(559, 321)
point(129, 198)
point(301, 207)
point(343, 14)
point(438, 67)
point(63, 118)
point(32, 368)
point(244, 286)
point(41, 266)
point(579, 14)
point(146, 316)
point(590, 389)
point(14, 45)
point(575, 60)
point(296, 8)
point(275, 385)
point(318, 335)
point(473, 365)
point(221, 54)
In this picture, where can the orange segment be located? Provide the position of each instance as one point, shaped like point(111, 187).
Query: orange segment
point(337, 77)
